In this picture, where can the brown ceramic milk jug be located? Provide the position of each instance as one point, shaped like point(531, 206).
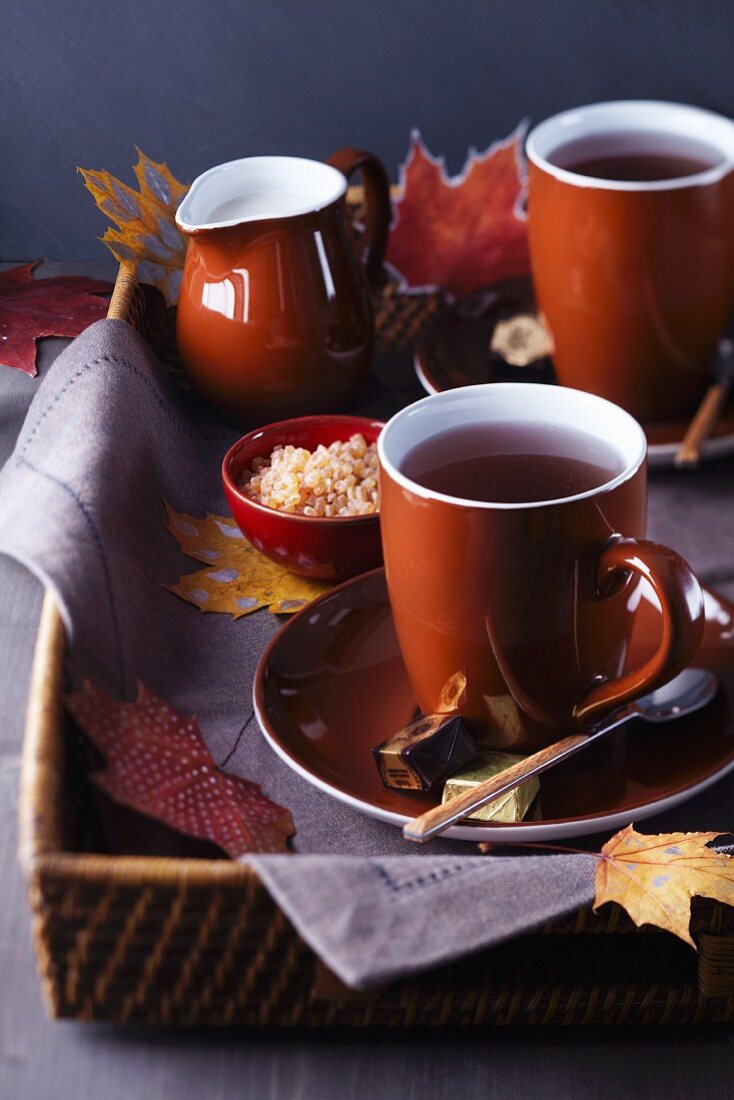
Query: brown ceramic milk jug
point(274, 317)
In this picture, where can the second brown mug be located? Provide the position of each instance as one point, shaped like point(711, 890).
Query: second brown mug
point(631, 228)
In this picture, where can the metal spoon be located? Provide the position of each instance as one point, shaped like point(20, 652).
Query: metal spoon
point(691, 690)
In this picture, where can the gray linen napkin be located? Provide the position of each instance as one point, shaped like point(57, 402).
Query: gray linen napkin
point(109, 435)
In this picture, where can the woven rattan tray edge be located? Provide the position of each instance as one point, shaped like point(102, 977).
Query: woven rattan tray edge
point(99, 960)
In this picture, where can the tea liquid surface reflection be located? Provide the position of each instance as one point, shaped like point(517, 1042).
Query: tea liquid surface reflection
point(512, 463)
point(636, 157)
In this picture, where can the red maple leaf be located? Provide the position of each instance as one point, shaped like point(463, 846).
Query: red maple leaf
point(62, 305)
point(464, 232)
point(157, 763)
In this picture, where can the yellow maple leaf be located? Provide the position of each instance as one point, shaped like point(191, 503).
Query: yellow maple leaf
point(147, 237)
point(239, 579)
point(655, 877)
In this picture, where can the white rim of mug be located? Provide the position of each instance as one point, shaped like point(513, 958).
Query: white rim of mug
point(702, 125)
point(337, 190)
point(497, 390)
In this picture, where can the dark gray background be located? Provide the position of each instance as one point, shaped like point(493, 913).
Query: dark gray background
point(197, 82)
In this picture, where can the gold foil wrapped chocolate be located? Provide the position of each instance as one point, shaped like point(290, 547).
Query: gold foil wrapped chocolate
point(521, 340)
point(426, 752)
point(508, 807)
point(451, 693)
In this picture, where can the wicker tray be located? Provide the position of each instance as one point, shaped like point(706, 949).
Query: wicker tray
point(200, 941)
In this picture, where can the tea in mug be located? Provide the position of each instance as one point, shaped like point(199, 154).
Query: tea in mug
point(639, 158)
point(512, 463)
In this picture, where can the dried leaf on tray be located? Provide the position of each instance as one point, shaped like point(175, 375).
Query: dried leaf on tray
point(463, 232)
point(239, 579)
point(147, 237)
point(655, 877)
point(62, 305)
point(157, 762)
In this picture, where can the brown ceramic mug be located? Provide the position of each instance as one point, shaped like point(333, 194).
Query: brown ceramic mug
point(274, 317)
point(634, 274)
point(519, 615)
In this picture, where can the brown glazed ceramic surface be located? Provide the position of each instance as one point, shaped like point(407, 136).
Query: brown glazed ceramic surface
point(532, 605)
point(332, 684)
point(274, 317)
point(635, 285)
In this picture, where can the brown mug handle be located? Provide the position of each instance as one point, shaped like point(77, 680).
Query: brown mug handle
point(681, 601)
point(378, 212)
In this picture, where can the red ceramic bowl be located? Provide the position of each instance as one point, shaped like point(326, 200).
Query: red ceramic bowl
point(323, 548)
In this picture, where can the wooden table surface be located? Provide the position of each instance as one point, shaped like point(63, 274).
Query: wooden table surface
point(42, 1059)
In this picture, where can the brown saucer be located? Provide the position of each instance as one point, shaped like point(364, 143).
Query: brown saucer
point(332, 684)
point(456, 352)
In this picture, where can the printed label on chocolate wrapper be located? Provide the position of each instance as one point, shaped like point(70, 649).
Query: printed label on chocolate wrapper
point(395, 773)
point(424, 753)
point(413, 734)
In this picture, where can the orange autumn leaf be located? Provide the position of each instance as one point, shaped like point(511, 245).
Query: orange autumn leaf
point(655, 877)
point(147, 237)
point(464, 232)
point(157, 762)
point(238, 579)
